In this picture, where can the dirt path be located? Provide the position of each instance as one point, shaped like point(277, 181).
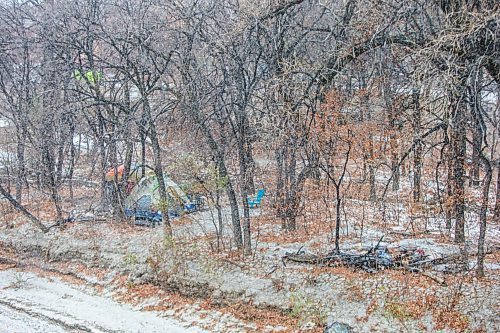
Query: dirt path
point(30, 303)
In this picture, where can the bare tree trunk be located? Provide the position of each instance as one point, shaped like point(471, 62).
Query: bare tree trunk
point(143, 133)
point(250, 167)
point(221, 166)
point(337, 216)
point(458, 144)
point(393, 137)
point(396, 171)
point(483, 215)
point(53, 186)
point(246, 173)
point(101, 129)
point(417, 153)
point(153, 135)
point(370, 158)
point(280, 186)
point(477, 137)
point(338, 183)
point(129, 144)
point(395, 164)
point(72, 162)
point(371, 166)
point(245, 186)
point(21, 170)
point(291, 189)
point(288, 185)
point(449, 201)
point(247, 243)
point(220, 231)
point(371, 173)
point(497, 200)
point(231, 194)
point(48, 140)
point(23, 210)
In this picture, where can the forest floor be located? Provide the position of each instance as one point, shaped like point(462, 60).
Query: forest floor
point(187, 280)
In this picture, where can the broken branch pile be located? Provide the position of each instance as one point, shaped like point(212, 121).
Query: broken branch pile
point(378, 258)
point(371, 261)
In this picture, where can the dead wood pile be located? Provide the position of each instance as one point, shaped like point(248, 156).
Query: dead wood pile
point(378, 258)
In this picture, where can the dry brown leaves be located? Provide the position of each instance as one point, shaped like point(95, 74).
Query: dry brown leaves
point(67, 278)
point(6, 266)
point(135, 294)
point(261, 317)
point(83, 233)
point(445, 318)
point(76, 267)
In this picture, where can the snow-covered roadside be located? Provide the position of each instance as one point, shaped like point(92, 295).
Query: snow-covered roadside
point(12, 320)
point(30, 303)
point(186, 267)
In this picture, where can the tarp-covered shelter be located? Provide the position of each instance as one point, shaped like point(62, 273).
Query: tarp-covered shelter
point(143, 200)
point(134, 174)
point(146, 196)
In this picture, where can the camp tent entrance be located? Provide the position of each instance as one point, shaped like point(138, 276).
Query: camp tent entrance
point(145, 196)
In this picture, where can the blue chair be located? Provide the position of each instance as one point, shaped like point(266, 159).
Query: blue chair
point(189, 207)
point(254, 201)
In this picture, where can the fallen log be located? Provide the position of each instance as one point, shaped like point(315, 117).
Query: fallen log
point(368, 263)
point(413, 260)
point(448, 259)
point(430, 275)
point(408, 234)
point(434, 277)
point(302, 258)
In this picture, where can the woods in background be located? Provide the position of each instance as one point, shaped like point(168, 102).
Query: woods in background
point(339, 94)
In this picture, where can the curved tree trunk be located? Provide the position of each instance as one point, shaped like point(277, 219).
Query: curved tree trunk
point(483, 215)
point(246, 185)
point(23, 210)
point(158, 167)
point(218, 154)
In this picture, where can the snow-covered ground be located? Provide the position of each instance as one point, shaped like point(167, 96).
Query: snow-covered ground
point(12, 320)
point(30, 303)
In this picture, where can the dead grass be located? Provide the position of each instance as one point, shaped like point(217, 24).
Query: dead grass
point(260, 317)
point(67, 278)
point(452, 319)
point(6, 266)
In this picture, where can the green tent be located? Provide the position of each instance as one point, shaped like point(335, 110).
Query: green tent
point(146, 195)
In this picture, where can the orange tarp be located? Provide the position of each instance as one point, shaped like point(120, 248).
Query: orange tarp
point(110, 175)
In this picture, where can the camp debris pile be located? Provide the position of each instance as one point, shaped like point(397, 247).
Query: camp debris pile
point(379, 258)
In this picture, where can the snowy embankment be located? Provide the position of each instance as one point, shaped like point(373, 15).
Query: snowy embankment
point(30, 303)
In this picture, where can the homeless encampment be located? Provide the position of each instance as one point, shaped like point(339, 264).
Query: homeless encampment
point(143, 200)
